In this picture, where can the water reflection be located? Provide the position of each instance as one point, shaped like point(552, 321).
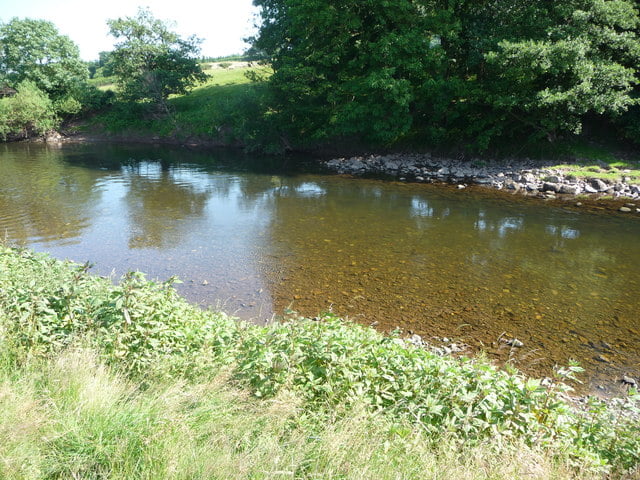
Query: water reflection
point(42, 198)
point(163, 203)
point(431, 260)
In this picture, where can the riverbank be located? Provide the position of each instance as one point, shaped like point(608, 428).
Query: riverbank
point(136, 350)
point(529, 177)
point(592, 181)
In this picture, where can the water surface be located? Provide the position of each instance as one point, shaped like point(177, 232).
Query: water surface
point(473, 266)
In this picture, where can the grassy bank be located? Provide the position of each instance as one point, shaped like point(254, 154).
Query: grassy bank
point(228, 109)
point(130, 381)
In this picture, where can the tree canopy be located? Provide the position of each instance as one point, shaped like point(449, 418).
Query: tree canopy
point(150, 61)
point(445, 71)
point(34, 51)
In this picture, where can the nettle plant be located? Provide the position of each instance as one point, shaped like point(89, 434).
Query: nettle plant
point(147, 331)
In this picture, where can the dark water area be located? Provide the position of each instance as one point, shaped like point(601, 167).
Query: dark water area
point(475, 266)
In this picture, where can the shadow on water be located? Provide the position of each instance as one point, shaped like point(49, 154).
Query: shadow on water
point(474, 266)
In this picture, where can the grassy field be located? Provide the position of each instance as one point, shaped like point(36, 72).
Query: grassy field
point(129, 381)
point(71, 417)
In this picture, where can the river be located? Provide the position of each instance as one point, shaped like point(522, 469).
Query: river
point(474, 266)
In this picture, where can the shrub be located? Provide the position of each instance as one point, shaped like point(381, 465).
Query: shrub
point(148, 332)
point(29, 112)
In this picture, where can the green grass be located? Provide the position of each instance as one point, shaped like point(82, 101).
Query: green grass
point(72, 417)
point(218, 109)
point(130, 381)
point(598, 161)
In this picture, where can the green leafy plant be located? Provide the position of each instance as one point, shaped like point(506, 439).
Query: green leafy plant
point(148, 333)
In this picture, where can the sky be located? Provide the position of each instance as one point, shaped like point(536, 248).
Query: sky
point(222, 24)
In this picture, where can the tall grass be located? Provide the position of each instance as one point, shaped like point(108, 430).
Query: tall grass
point(71, 417)
point(130, 381)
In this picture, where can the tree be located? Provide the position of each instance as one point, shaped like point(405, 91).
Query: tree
point(583, 62)
point(347, 69)
point(33, 50)
point(151, 62)
point(472, 71)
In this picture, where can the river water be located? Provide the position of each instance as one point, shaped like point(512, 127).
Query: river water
point(477, 267)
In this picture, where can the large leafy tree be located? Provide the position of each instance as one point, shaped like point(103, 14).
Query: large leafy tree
point(344, 68)
point(448, 70)
point(151, 62)
point(583, 62)
point(34, 51)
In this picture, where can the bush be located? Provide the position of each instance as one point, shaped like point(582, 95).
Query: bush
point(29, 112)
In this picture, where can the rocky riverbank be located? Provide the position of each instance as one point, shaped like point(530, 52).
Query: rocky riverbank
point(518, 176)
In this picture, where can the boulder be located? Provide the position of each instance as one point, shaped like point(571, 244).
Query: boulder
point(598, 185)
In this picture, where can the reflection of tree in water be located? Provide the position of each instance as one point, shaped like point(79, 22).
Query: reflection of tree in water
point(162, 201)
point(42, 197)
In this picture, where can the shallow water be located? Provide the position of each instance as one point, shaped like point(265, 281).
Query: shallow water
point(474, 266)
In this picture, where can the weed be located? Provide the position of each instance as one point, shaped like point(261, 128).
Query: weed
point(332, 371)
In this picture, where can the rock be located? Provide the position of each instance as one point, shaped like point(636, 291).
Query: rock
point(461, 187)
point(569, 189)
point(603, 359)
point(598, 185)
point(550, 187)
point(205, 282)
point(579, 204)
point(589, 189)
point(391, 166)
point(624, 209)
point(629, 381)
point(630, 205)
point(514, 342)
point(53, 137)
point(483, 180)
point(416, 340)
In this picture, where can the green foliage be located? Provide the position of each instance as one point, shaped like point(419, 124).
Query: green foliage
point(347, 69)
point(146, 331)
point(28, 112)
point(33, 50)
point(72, 417)
point(448, 72)
point(150, 61)
point(584, 62)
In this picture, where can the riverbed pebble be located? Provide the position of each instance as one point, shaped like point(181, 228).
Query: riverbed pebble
point(629, 381)
point(514, 342)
